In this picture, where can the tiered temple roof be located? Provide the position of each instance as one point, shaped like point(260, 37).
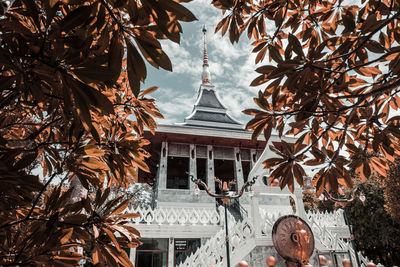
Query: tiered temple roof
point(208, 110)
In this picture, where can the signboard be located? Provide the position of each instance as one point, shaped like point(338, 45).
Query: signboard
point(180, 244)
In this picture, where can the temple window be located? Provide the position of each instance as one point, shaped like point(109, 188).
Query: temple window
point(178, 166)
point(201, 167)
point(246, 163)
point(224, 165)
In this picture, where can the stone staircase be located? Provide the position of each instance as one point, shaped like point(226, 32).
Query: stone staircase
point(244, 238)
point(213, 252)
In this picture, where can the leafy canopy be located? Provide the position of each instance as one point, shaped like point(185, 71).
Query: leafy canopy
point(71, 101)
point(392, 191)
point(332, 81)
point(386, 248)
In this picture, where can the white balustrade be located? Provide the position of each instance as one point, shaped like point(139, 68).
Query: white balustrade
point(213, 251)
point(328, 219)
point(320, 224)
point(269, 218)
point(174, 216)
point(363, 260)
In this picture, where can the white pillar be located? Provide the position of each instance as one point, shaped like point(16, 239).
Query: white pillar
point(255, 215)
point(132, 255)
point(238, 169)
point(192, 166)
point(298, 198)
point(210, 168)
point(253, 157)
point(162, 182)
point(171, 256)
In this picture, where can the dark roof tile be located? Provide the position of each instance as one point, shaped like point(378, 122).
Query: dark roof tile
point(212, 117)
point(210, 100)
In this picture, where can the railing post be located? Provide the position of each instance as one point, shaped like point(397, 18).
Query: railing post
point(255, 215)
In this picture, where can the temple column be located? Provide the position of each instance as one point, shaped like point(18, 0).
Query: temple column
point(255, 214)
point(253, 157)
point(132, 255)
point(162, 182)
point(238, 169)
point(298, 197)
point(192, 166)
point(210, 168)
point(171, 248)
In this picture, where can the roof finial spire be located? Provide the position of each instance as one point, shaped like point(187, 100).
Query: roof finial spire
point(205, 76)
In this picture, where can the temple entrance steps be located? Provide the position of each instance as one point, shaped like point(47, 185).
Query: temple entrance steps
point(213, 252)
point(329, 232)
point(243, 236)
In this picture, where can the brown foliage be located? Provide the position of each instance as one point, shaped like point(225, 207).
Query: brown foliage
point(71, 101)
point(313, 203)
point(333, 82)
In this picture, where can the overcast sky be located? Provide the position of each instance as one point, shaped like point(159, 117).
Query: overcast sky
point(231, 67)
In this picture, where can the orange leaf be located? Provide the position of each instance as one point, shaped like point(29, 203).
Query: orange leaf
point(129, 215)
point(149, 90)
point(272, 162)
point(112, 237)
point(121, 207)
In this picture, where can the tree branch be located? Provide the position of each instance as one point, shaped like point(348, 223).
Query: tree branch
point(33, 204)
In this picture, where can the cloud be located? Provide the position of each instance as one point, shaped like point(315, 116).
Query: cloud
point(176, 110)
point(180, 57)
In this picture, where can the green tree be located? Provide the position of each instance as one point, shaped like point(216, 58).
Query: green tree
point(392, 191)
point(71, 101)
point(376, 233)
point(313, 203)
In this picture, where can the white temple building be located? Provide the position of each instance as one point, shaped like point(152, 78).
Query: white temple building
point(182, 229)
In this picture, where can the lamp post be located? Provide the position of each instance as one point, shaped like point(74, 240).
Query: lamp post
point(225, 196)
point(344, 202)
